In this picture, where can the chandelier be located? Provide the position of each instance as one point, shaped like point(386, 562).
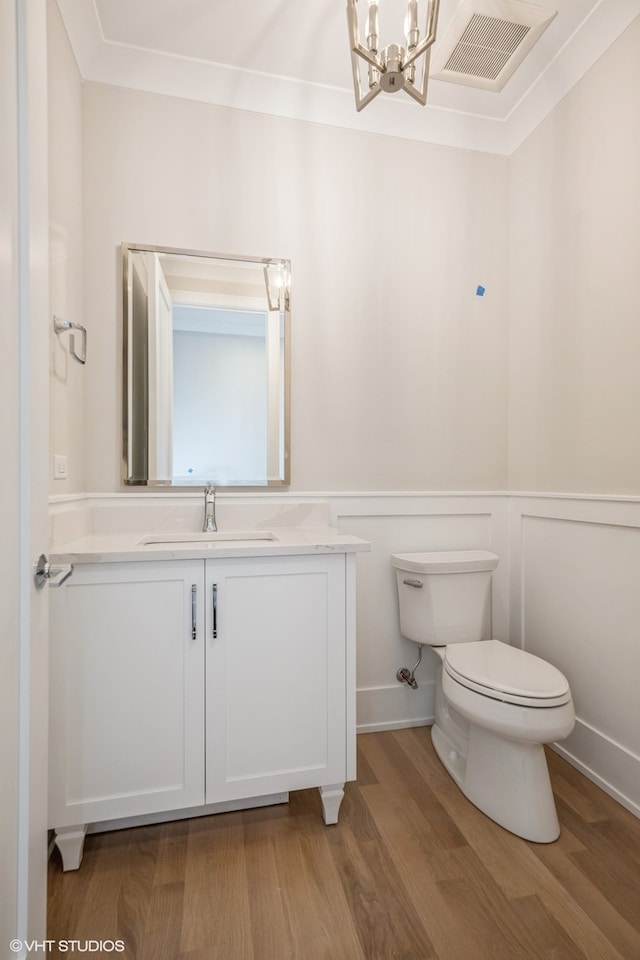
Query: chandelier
point(394, 67)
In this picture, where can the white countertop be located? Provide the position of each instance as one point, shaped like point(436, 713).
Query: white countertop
point(127, 546)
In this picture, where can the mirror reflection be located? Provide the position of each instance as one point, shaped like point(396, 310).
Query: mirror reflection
point(206, 368)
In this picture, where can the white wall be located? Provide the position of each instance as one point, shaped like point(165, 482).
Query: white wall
point(219, 406)
point(574, 334)
point(398, 370)
point(67, 377)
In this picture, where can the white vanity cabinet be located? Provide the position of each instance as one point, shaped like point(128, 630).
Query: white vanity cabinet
point(276, 678)
point(190, 683)
point(126, 695)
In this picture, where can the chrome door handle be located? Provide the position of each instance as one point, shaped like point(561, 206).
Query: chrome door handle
point(194, 604)
point(54, 576)
point(214, 591)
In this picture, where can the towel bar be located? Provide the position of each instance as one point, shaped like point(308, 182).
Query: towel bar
point(62, 326)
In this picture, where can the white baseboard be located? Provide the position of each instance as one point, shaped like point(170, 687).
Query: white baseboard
point(392, 725)
point(588, 750)
point(393, 707)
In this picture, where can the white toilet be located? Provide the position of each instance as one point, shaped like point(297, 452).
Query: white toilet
point(495, 705)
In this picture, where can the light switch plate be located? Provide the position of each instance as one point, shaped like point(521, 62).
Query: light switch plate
point(59, 467)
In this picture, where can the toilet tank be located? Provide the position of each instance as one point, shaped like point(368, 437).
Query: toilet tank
point(445, 596)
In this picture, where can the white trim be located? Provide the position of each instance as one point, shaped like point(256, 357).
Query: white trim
point(24, 504)
point(603, 26)
point(392, 725)
point(141, 493)
point(394, 707)
point(619, 764)
point(488, 124)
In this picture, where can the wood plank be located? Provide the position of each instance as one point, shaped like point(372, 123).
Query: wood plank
point(413, 871)
point(267, 915)
point(162, 933)
point(545, 936)
point(622, 935)
point(216, 912)
point(171, 863)
point(319, 923)
point(387, 923)
point(393, 765)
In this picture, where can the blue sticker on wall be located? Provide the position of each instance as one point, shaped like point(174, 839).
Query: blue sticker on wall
point(480, 290)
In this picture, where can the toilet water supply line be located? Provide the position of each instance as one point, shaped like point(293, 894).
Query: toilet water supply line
point(408, 676)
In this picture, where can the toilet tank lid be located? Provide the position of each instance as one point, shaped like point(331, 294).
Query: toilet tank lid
point(445, 561)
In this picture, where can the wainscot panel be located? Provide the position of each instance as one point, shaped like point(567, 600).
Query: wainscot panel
point(399, 523)
point(575, 569)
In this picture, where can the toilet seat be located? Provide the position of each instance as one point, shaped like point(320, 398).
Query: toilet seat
point(502, 672)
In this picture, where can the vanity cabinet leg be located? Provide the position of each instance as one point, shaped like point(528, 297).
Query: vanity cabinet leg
point(331, 796)
point(70, 843)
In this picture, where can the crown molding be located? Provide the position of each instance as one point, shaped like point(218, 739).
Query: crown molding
point(135, 68)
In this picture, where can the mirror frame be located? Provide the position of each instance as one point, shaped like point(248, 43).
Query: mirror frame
point(264, 262)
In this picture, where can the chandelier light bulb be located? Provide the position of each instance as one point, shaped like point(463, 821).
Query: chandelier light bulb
point(411, 29)
point(372, 28)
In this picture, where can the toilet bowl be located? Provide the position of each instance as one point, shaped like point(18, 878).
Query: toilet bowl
point(495, 705)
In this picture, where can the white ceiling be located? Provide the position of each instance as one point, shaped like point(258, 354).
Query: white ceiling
point(291, 58)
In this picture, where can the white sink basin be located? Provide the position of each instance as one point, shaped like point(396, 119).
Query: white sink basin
point(239, 538)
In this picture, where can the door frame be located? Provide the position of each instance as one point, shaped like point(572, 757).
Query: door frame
point(24, 270)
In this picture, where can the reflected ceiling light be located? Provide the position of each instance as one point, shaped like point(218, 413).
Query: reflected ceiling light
point(394, 67)
point(277, 281)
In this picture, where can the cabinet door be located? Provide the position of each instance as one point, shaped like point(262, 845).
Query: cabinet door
point(275, 666)
point(127, 691)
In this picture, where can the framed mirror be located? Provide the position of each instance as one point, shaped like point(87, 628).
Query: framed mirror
point(205, 368)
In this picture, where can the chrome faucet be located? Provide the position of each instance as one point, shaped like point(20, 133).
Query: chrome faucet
point(209, 525)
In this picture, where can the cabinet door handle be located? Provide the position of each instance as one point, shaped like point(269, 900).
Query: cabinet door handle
point(194, 622)
point(214, 591)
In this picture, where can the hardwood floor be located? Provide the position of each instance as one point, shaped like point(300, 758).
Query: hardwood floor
point(411, 872)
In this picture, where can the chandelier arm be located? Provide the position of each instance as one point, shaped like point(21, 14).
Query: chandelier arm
point(367, 55)
point(352, 20)
point(354, 36)
point(418, 94)
point(418, 51)
point(362, 101)
point(368, 97)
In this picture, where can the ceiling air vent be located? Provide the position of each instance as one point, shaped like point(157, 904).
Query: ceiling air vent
point(487, 40)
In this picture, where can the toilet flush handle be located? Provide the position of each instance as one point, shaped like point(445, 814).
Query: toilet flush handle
point(413, 583)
